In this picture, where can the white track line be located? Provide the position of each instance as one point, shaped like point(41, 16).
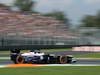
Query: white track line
point(2, 66)
point(59, 65)
point(72, 65)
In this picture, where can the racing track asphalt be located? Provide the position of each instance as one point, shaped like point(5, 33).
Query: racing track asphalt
point(79, 61)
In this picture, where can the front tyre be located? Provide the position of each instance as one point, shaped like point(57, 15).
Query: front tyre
point(62, 59)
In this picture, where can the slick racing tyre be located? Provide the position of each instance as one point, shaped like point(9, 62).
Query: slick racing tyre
point(20, 60)
point(62, 59)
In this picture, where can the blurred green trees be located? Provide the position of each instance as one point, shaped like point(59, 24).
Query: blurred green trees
point(91, 21)
point(24, 5)
point(59, 15)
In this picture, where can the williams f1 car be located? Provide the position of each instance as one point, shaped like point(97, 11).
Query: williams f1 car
point(36, 57)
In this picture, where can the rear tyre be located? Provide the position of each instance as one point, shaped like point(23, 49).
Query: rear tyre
point(20, 60)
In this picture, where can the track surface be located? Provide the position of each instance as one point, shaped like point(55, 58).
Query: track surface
point(79, 61)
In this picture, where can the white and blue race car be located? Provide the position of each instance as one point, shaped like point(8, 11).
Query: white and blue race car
point(36, 57)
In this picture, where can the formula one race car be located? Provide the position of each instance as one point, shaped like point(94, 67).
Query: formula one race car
point(36, 57)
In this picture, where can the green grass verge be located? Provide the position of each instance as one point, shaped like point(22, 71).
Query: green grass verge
point(91, 55)
point(4, 52)
point(65, 70)
point(43, 50)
